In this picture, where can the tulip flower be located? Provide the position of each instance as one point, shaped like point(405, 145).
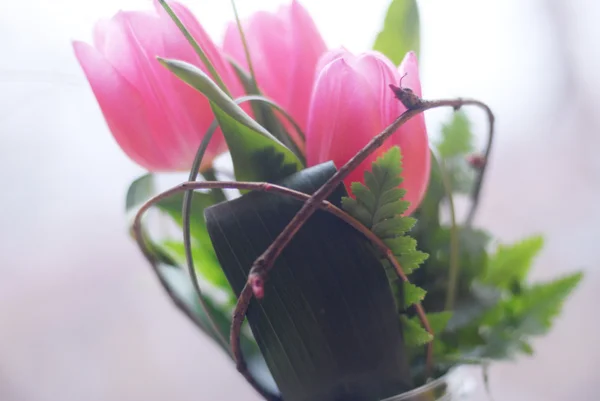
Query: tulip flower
point(352, 102)
point(157, 119)
point(284, 48)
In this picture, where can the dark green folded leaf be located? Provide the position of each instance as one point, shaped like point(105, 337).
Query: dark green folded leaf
point(328, 326)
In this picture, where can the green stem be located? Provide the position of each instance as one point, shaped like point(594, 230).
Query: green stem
point(454, 241)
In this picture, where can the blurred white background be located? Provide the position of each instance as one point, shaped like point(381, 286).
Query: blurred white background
point(82, 318)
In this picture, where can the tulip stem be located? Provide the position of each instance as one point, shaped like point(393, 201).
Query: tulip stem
point(454, 267)
point(246, 295)
point(186, 217)
point(197, 48)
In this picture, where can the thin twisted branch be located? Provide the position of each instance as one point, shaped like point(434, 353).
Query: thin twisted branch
point(264, 263)
point(246, 295)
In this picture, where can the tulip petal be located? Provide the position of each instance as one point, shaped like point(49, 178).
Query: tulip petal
point(409, 66)
point(122, 106)
point(177, 47)
point(308, 47)
point(352, 95)
point(330, 56)
point(343, 116)
point(413, 140)
point(285, 47)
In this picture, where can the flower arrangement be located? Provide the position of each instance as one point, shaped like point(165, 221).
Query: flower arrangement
point(343, 248)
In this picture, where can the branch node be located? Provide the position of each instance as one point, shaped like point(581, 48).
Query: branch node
point(257, 282)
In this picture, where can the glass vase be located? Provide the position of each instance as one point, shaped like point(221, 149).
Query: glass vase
point(456, 385)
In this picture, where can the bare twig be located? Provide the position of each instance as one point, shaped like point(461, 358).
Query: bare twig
point(187, 208)
point(246, 295)
point(483, 168)
point(264, 262)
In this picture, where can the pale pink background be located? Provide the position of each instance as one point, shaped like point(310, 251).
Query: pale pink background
point(81, 317)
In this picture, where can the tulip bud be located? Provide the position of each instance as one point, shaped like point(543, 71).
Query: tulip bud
point(284, 48)
point(351, 103)
point(157, 119)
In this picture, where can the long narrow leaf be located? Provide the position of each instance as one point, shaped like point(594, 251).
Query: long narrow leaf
point(257, 155)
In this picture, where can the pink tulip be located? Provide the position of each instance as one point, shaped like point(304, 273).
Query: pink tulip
point(157, 119)
point(284, 48)
point(351, 103)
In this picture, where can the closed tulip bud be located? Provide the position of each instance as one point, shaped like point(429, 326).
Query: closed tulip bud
point(157, 119)
point(352, 102)
point(284, 47)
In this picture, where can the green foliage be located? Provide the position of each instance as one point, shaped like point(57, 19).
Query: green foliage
point(414, 334)
point(508, 325)
point(379, 206)
point(511, 264)
point(457, 138)
point(412, 294)
point(244, 136)
point(497, 312)
point(400, 33)
point(206, 262)
point(139, 191)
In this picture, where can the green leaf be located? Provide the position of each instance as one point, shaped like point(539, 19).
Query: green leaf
point(438, 321)
point(181, 286)
point(412, 294)
point(206, 262)
point(205, 259)
point(181, 283)
point(457, 138)
point(414, 334)
point(139, 191)
point(511, 263)
point(318, 304)
point(400, 33)
point(540, 304)
point(173, 207)
point(248, 142)
point(531, 313)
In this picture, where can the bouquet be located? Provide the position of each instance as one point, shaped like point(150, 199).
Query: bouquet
point(339, 267)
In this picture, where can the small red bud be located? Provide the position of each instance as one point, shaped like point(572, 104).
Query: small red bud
point(476, 161)
point(258, 286)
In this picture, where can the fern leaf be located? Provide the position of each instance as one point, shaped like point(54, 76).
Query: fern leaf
point(512, 263)
point(379, 205)
point(413, 294)
point(414, 334)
